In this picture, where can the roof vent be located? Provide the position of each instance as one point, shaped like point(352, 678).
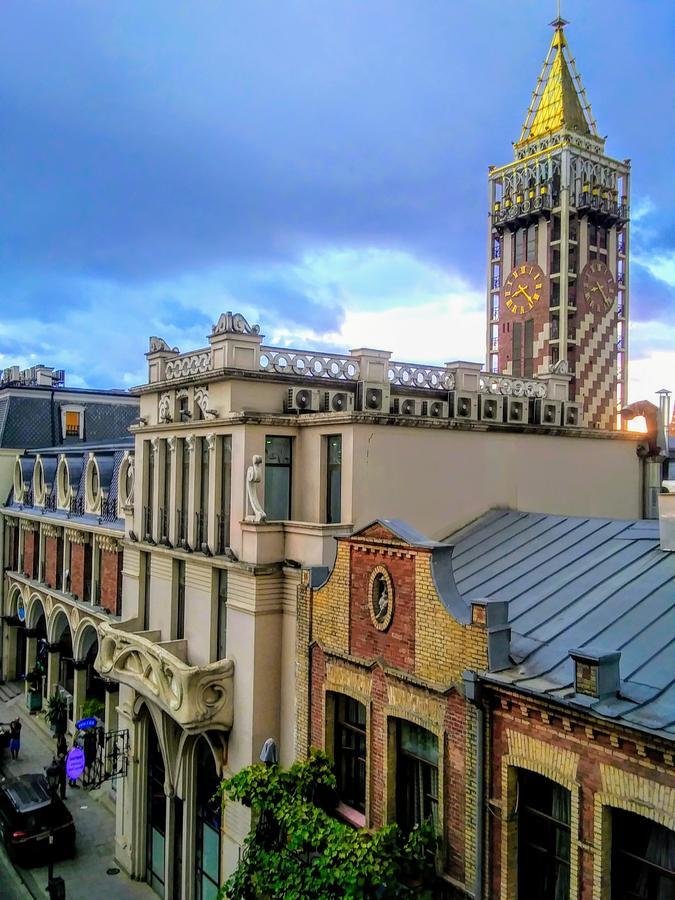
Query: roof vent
point(596, 672)
point(667, 516)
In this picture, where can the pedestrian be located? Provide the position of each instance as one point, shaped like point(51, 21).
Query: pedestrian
point(61, 753)
point(77, 742)
point(15, 737)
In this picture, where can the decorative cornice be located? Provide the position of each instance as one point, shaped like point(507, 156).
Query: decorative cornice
point(75, 536)
point(198, 698)
point(28, 525)
point(50, 531)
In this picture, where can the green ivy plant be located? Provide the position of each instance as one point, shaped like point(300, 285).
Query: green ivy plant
point(298, 851)
point(93, 707)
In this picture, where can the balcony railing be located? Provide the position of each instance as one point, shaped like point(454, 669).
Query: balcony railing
point(76, 506)
point(164, 526)
point(109, 509)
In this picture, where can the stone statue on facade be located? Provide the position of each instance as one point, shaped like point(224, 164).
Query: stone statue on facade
point(253, 478)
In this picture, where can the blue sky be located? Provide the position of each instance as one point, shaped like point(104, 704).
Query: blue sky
point(319, 165)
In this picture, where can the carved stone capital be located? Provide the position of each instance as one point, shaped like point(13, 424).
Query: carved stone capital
point(75, 536)
point(171, 444)
point(106, 542)
point(211, 441)
point(154, 444)
point(28, 525)
point(190, 442)
point(198, 698)
point(11, 522)
point(50, 531)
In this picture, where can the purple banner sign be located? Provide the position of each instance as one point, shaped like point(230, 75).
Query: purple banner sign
point(75, 763)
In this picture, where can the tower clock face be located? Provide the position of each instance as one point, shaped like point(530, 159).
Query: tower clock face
point(598, 286)
point(524, 288)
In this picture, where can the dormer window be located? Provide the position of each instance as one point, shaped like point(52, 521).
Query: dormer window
point(39, 483)
point(72, 422)
point(63, 484)
point(93, 486)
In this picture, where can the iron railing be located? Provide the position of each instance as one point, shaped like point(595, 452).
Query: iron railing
point(222, 533)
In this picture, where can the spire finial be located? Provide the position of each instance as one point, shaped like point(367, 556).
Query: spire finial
point(559, 23)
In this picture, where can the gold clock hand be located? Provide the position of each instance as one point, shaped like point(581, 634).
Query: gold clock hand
point(604, 295)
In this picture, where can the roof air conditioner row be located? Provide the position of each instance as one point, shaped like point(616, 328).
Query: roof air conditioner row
point(463, 405)
point(411, 406)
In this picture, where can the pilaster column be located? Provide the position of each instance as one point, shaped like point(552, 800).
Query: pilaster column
point(53, 662)
point(79, 687)
point(111, 700)
point(192, 505)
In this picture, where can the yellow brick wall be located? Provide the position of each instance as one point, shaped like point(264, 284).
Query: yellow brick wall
point(330, 605)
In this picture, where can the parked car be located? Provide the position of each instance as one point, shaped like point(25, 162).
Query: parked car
point(28, 815)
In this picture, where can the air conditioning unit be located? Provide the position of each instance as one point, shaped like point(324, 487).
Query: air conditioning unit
point(303, 400)
point(573, 415)
point(372, 397)
point(437, 409)
point(517, 409)
point(409, 406)
point(547, 412)
point(337, 401)
point(464, 405)
point(491, 408)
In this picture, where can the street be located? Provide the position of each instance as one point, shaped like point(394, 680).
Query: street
point(93, 871)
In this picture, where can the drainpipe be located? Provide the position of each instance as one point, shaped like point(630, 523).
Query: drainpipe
point(472, 693)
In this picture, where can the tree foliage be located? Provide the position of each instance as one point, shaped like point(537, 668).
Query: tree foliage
point(298, 851)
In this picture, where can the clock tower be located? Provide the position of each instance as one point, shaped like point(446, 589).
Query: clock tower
point(557, 295)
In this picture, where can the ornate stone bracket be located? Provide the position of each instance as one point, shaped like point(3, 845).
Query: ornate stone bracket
point(198, 698)
point(11, 522)
point(253, 478)
point(28, 525)
point(50, 530)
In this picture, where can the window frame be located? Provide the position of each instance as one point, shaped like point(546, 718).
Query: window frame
point(331, 468)
point(415, 759)
point(289, 467)
point(358, 754)
point(529, 816)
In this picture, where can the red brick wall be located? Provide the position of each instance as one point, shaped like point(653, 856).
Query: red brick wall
point(29, 553)
point(110, 575)
point(452, 752)
point(77, 569)
point(397, 644)
point(570, 736)
point(50, 561)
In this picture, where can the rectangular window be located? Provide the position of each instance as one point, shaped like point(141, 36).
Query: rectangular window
point(225, 495)
point(494, 363)
point(350, 751)
point(528, 363)
point(72, 424)
point(517, 354)
point(334, 479)
point(179, 574)
point(164, 536)
point(543, 838)
point(145, 598)
point(416, 775)
point(532, 243)
point(204, 478)
point(149, 490)
point(278, 477)
point(520, 246)
point(643, 858)
point(184, 492)
point(221, 649)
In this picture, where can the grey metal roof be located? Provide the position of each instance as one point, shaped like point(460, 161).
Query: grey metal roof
point(31, 417)
point(579, 583)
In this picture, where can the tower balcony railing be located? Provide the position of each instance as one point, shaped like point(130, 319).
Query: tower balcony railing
point(587, 200)
point(508, 211)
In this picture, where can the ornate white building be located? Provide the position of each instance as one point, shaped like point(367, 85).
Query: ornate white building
point(249, 460)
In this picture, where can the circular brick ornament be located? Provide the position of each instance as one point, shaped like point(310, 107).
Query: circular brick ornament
point(381, 598)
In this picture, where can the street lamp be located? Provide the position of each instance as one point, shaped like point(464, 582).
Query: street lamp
point(56, 887)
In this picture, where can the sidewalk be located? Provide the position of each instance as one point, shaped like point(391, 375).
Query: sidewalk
point(93, 872)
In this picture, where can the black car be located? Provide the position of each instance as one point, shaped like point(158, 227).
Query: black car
point(28, 815)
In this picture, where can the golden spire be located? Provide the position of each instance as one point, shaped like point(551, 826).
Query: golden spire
point(559, 100)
